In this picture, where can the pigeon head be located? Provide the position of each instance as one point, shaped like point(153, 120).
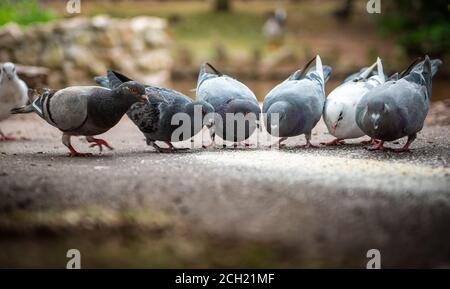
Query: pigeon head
point(203, 109)
point(132, 90)
point(335, 115)
point(382, 120)
point(282, 119)
point(243, 106)
point(8, 71)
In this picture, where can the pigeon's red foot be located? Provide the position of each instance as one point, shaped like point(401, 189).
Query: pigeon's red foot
point(100, 143)
point(335, 142)
point(7, 138)
point(308, 145)
point(372, 141)
point(244, 144)
point(378, 147)
point(73, 153)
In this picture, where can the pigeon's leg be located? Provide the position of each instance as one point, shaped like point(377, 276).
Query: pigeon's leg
point(4, 137)
point(98, 142)
point(335, 142)
point(379, 146)
point(308, 142)
point(155, 146)
point(278, 143)
point(73, 152)
point(172, 148)
point(245, 144)
point(405, 148)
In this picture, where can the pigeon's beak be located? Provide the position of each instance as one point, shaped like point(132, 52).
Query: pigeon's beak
point(375, 120)
point(143, 98)
point(209, 123)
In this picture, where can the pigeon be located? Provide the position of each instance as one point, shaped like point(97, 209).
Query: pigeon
point(340, 105)
point(154, 118)
point(230, 98)
point(295, 106)
point(13, 93)
point(85, 110)
point(398, 107)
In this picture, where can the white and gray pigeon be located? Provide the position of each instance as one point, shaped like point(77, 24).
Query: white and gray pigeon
point(85, 110)
point(340, 105)
point(297, 103)
point(228, 96)
point(13, 93)
point(154, 118)
point(398, 107)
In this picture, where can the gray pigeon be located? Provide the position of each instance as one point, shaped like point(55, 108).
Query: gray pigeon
point(228, 96)
point(13, 93)
point(85, 110)
point(398, 107)
point(154, 118)
point(297, 103)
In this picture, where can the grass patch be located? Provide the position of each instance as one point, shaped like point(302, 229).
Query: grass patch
point(23, 12)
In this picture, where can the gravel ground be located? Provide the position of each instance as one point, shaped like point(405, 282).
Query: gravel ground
point(325, 206)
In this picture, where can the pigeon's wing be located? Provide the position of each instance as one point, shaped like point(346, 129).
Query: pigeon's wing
point(102, 81)
point(67, 109)
point(112, 79)
point(145, 116)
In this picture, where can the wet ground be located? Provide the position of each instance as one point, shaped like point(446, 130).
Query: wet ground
point(294, 207)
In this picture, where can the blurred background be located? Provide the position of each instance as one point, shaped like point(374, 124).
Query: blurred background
point(260, 42)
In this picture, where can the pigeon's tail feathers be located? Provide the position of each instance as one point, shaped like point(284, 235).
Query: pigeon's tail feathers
point(299, 74)
point(24, 109)
point(113, 80)
point(319, 68)
point(327, 72)
point(321, 72)
point(426, 70)
point(435, 63)
point(204, 74)
point(380, 71)
point(410, 67)
point(419, 67)
point(207, 64)
point(102, 81)
point(394, 76)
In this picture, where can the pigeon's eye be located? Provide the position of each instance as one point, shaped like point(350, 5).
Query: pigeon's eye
point(340, 116)
point(133, 89)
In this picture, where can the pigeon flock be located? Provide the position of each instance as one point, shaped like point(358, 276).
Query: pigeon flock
point(366, 103)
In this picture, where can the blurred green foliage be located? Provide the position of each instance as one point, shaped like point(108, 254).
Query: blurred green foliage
point(23, 12)
point(423, 26)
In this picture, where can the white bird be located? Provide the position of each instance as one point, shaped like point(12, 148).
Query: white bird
point(340, 107)
point(13, 93)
